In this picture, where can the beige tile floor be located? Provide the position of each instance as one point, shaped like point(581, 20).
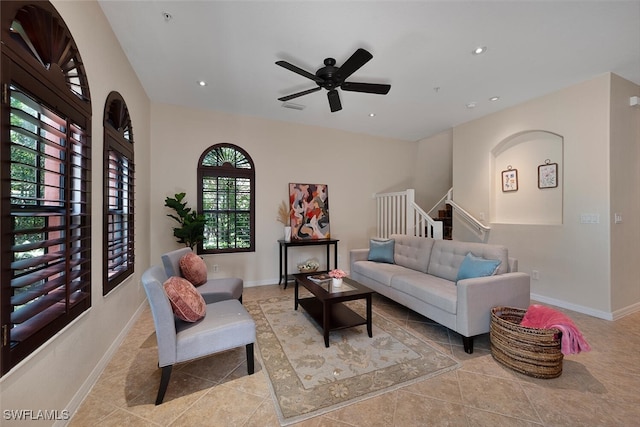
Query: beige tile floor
point(597, 388)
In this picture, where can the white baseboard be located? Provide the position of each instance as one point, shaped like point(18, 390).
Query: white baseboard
point(88, 384)
point(618, 314)
point(587, 310)
point(266, 282)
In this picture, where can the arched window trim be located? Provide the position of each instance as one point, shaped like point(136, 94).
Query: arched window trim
point(51, 84)
point(118, 205)
point(228, 170)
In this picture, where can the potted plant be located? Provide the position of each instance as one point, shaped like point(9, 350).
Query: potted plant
point(191, 229)
point(283, 216)
point(336, 277)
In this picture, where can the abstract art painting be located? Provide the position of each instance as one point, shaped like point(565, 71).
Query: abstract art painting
point(309, 211)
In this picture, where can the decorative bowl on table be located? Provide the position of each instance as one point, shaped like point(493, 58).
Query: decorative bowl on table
point(308, 266)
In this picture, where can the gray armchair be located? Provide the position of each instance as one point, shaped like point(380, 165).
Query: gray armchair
point(226, 325)
point(215, 289)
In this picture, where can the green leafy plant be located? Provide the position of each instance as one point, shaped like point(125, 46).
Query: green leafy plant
point(191, 229)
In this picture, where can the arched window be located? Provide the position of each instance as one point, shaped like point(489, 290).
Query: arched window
point(119, 167)
point(226, 197)
point(45, 179)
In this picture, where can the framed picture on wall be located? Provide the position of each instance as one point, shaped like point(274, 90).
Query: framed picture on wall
point(510, 179)
point(548, 175)
point(310, 211)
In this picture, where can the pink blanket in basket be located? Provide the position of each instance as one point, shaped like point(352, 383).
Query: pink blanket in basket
point(541, 317)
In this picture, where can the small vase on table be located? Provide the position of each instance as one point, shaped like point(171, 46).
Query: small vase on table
point(336, 277)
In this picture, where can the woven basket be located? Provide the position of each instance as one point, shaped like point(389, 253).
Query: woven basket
point(530, 351)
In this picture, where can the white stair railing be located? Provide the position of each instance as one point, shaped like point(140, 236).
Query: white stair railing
point(480, 227)
point(441, 203)
point(447, 199)
point(397, 213)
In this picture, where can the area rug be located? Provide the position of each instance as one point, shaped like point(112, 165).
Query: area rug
point(307, 379)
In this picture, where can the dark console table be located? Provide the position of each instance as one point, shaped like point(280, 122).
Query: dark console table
point(284, 246)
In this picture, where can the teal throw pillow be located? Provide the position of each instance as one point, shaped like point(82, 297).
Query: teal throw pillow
point(473, 266)
point(381, 250)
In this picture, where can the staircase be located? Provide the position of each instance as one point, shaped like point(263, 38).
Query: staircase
point(446, 217)
point(397, 213)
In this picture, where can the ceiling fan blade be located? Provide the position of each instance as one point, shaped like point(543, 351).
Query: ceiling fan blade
point(299, 70)
point(295, 95)
point(334, 100)
point(379, 89)
point(351, 65)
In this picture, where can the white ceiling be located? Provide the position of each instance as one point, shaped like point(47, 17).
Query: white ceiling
point(533, 48)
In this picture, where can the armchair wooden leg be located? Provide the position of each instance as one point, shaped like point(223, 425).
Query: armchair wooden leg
point(467, 342)
point(250, 367)
point(164, 382)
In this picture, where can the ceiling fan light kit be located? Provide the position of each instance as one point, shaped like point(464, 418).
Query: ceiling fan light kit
point(331, 78)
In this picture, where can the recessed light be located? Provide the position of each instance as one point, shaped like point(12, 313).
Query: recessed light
point(202, 83)
point(372, 114)
point(471, 104)
point(479, 50)
point(494, 98)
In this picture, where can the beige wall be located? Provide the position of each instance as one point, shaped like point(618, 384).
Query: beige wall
point(432, 176)
point(625, 195)
point(354, 167)
point(589, 267)
point(83, 347)
point(574, 260)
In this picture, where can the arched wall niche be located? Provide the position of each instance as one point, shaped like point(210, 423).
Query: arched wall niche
point(524, 152)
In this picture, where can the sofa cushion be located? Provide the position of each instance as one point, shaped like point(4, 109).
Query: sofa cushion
point(186, 301)
point(432, 290)
point(447, 255)
point(381, 250)
point(412, 252)
point(473, 266)
point(380, 272)
point(193, 268)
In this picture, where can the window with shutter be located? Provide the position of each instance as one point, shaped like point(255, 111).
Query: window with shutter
point(226, 197)
point(118, 251)
point(45, 152)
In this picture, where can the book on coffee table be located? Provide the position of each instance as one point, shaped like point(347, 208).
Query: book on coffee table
point(319, 278)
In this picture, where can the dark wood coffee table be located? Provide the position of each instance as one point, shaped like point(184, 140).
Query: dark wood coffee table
point(326, 308)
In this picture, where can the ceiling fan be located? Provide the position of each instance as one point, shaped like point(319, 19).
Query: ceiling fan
point(331, 77)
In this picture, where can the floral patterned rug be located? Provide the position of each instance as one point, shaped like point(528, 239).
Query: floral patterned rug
point(307, 379)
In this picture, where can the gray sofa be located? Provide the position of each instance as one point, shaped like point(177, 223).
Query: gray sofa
point(423, 278)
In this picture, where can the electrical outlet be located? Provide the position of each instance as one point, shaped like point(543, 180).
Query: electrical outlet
point(215, 268)
point(589, 218)
point(535, 275)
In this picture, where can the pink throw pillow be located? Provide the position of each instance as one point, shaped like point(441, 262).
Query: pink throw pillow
point(193, 269)
point(186, 301)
